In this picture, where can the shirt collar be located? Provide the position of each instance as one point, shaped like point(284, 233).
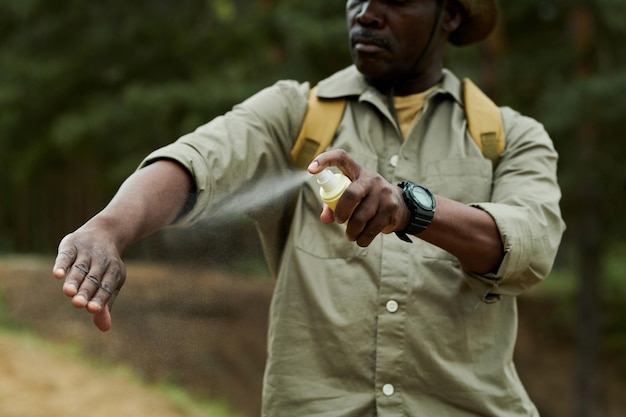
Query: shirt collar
point(350, 82)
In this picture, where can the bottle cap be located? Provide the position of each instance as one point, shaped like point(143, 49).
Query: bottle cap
point(327, 180)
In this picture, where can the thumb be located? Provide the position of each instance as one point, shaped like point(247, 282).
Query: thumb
point(102, 319)
point(327, 216)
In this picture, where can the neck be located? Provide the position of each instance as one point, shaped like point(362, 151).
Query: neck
point(404, 86)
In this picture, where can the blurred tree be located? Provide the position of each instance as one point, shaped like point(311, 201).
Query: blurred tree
point(88, 89)
point(564, 64)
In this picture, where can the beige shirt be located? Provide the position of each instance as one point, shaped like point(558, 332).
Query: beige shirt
point(394, 329)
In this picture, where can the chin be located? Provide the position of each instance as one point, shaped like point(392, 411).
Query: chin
point(370, 70)
point(376, 76)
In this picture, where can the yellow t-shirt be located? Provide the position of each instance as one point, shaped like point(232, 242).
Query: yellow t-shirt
point(409, 109)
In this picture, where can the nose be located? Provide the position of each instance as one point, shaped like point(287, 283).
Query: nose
point(369, 14)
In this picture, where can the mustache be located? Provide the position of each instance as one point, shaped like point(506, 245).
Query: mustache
point(368, 35)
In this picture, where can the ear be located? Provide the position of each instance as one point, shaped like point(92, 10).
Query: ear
point(452, 17)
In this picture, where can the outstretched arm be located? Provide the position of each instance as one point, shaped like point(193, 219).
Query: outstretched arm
point(90, 258)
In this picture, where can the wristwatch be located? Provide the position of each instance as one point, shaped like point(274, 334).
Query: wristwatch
point(421, 203)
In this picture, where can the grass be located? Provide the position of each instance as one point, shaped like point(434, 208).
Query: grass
point(192, 406)
point(174, 394)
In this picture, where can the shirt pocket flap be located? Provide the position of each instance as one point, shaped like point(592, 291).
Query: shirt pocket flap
point(466, 180)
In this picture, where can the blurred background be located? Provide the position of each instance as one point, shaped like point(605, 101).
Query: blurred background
point(89, 88)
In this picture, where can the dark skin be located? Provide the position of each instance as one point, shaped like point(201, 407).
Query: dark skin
point(148, 200)
point(387, 38)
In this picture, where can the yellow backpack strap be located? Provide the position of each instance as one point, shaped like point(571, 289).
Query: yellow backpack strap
point(318, 129)
point(484, 121)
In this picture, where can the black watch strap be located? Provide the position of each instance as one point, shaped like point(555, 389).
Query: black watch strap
point(421, 204)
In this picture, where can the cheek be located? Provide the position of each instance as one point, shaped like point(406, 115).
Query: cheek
point(352, 9)
point(412, 42)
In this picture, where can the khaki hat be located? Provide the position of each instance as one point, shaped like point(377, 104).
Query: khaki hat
point(479, 20)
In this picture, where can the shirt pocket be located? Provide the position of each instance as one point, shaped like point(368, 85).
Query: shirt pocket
point(330, 244)
point(467, 180)
point(326, 241)
point(323, 241)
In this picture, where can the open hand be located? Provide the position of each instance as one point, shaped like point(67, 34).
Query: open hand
point(93, 272)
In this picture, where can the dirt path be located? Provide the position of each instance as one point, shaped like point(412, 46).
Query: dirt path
point(201, 331)
point(39, 381)
point(204, 331)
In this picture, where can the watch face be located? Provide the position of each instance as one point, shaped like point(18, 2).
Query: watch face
point(421, 203)
point(422, 197)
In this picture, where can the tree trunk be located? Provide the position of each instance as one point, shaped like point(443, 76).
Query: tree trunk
point(589, 236)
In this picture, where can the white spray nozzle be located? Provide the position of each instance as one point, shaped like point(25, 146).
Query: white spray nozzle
point(327, 180)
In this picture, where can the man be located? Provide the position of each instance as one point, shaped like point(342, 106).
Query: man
point(364, 323)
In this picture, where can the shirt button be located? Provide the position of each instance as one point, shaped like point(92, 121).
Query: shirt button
point(392, 306)
point(388, 390)
point(393, 161)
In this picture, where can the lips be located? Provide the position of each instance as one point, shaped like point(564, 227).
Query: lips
point(367, 46)
point(368, 42)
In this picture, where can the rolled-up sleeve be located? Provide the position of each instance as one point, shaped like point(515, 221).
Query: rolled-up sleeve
point(525, 207)
point(251, 142)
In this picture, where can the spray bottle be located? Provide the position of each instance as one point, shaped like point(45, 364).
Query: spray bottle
point(332, 186)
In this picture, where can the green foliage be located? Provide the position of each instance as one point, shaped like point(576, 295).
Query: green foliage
point(615, 293)
point(87, 89)
point(564, 66)
point(112, 81)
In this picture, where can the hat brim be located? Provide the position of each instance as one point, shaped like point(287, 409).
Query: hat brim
point(479, 19)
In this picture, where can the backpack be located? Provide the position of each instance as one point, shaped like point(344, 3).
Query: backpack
point(323, 116)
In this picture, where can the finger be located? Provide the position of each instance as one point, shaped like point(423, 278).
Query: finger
point(372, 229)
point(337, 158)
point(64, 260)
point(112, 281)
point(349, 201)
point(102, 319)
point(358, 220)
point(377, 214)
point(89, 287)
point(327, 216)
point(91, 282)
point(367, 221)
point(75, 275)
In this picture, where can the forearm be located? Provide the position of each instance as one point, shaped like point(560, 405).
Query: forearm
point(147, 201)
point(468, 233)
